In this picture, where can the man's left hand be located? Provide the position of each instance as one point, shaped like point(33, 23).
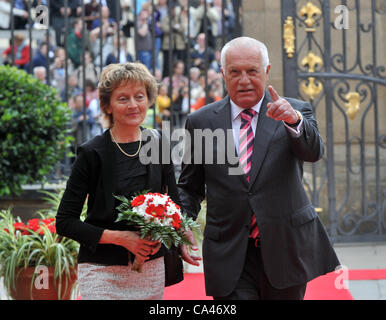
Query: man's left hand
point(280, 109)
point(194, 260)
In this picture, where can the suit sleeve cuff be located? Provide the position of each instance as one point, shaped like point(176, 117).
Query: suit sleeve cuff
point(297, 131)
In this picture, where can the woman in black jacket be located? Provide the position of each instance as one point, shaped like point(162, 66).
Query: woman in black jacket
point(110, 165)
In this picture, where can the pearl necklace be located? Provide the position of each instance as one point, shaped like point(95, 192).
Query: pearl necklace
point(126, 154)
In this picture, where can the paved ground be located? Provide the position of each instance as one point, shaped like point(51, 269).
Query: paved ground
point(364, 256)
point(354, 256)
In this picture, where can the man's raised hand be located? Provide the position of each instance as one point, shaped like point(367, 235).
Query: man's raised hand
point(280, 109)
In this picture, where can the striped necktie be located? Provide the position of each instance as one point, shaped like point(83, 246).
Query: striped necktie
point(246, 139)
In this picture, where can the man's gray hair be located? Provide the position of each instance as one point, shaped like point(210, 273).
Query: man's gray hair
point(246, 42)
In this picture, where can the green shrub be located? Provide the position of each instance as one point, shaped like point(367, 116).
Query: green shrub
point(33, 129)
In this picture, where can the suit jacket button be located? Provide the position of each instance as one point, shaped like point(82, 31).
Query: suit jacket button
point(250, 194)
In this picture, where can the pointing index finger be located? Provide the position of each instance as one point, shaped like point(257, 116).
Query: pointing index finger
point(274, 95)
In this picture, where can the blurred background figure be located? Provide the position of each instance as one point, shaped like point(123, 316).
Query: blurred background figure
point(58, 13)
point(178, 78)
point(81, 121)
point(212, 97)
point(19, 12)
point(174, 37)
point(144, 39)
point(40, 73)
point(123, 56)
point(163, 102)
point(21, 52)
point(200, 52)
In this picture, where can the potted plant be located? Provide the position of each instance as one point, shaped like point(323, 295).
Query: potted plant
point(35, 261)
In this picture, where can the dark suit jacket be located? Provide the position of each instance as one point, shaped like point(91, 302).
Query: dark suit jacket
point(93, 175)
point(294, 245)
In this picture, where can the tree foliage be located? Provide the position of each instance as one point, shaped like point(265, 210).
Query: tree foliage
point(33, 129)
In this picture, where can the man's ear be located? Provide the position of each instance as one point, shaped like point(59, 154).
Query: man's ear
point(268, 69)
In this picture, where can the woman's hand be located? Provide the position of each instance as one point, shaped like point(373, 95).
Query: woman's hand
point(132, 242)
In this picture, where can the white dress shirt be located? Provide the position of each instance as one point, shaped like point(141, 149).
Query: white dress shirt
point(236, 122)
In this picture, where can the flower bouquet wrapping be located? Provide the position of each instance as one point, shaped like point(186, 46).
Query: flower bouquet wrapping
point(158, 218)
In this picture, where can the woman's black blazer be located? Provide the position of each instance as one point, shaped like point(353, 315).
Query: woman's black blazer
point(92, 176)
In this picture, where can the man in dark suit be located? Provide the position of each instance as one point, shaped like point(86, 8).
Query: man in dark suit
point(262, 239)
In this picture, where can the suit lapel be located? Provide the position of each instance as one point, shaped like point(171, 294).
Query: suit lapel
point(265, 130)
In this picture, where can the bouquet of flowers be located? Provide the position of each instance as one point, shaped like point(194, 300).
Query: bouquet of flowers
point(158, 218)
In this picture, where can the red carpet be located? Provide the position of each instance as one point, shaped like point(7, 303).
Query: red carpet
point(192, 288)
point(327, 287)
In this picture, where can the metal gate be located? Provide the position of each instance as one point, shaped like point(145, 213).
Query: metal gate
point(334, 57)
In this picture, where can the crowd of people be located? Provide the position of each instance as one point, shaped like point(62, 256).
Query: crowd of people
point(109, 29)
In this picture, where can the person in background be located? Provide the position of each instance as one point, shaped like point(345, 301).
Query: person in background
point(200, 52)
point(106, 19)
point(174, 37)
point(124, 54)
point(82, 121)
point(92, 10)
point(20, 49)
point(92, 72)
point(108, 32)
point(178, 79)
point(198, 91)
point(40, 58)
point(20, 21)
point(73, 88)
point(162, 103)
point(180, 107)
point(40, 73)
point(19, 12)
point(144, 40)
point(58, 12)
point(75, 43)
point(197, 18)
point(97, 127)
point(57, 69)
point(91, 91)
point(212, 97)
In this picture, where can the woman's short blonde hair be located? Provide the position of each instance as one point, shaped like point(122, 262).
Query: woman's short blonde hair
point(114, 75)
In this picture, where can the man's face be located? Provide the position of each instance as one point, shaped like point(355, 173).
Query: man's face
point(244, 76)
point(179, 69)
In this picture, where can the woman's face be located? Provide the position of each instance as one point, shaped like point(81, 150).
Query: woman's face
point(128, 105)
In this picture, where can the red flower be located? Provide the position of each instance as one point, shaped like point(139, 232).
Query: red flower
point(20, 226)
point(156, 211)
point(52, 228)
point(48, 221)
point(137, 201)
point(33, 224)
point(176, 221)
